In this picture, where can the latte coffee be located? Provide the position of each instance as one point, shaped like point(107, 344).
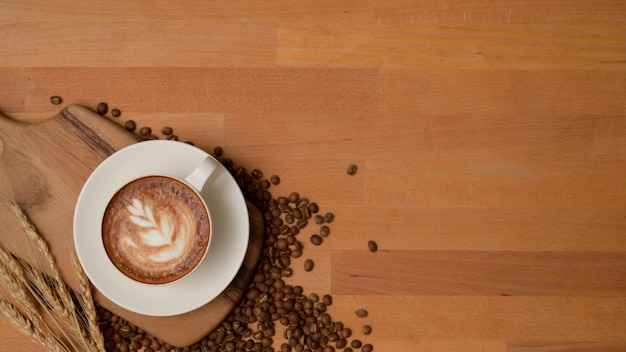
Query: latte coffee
point(156, 229)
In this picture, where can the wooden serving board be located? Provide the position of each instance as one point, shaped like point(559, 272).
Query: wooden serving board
point(43, 167)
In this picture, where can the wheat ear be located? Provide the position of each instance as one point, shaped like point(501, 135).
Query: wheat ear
point(66, 307)
point(25, 325)
point(86, 303)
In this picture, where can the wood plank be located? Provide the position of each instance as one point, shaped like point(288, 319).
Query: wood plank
point(565, 346)
point(475, 46)
point(514, 184)
point(531, 319)
point(131, 44)
point(449, 228)
point(377, 11)
point(547, 93)
point(189, 11)
point(479, 273)
point(214, 90)
point(505, 12)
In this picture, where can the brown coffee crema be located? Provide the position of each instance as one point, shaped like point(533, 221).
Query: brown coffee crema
point(155, 229)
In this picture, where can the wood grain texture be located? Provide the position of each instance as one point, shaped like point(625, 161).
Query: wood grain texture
point(489, 136)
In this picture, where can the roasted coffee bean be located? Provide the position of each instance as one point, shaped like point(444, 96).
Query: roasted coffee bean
point(172, 137)
point(308, 265)
point(256, 174)
point(150, 137)
point(361, 313)
point(293, 197)
point(367, 348)
point(372, 246)
point(116, 113)
point(287, 272)
point(319, 219)
point(356, 344)
point(324, 231)
point(130, 125)
point(275, 179)
point(296, 253)
point(314, 208)
point(102, 108)
point(145, 131)
point(282, 200)
point(125, 330)
point(367, 329)
point(329, 217)
point(341, 343)
point(282, 243)
point(316, 240)
point(352, 169)
point(327, 300)
point(167, 131)
point(56, 100)
point(218, 151)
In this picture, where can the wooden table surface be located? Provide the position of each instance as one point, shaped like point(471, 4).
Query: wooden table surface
point(490, 139)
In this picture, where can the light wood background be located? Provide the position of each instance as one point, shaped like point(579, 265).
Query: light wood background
point(490, 138)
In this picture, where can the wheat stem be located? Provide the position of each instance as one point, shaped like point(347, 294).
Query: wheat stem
point(25, 325)
point(87, 305)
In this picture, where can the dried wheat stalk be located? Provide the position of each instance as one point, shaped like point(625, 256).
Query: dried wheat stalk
point(28, 284)
point(25, 325)
point(87, 306)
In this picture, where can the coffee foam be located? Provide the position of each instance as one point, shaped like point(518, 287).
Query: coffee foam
point(155, 229)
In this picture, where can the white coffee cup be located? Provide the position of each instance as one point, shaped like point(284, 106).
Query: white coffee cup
point(157, 229)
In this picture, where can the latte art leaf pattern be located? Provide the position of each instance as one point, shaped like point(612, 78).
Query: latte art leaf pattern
point(154, 234)
point(157, 240)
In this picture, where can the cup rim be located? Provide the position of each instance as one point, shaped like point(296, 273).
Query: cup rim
point(206, 248)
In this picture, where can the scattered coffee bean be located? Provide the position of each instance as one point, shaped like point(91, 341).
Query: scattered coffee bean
point(145, 131)
point(293, 197)
point(372, 246)
point(172, 137)
point(256, 174)
point(102, 108)
point(352, 169)
point(356, 343)
point(116, 113)
point(308, 265)
point(327, 300)
point(324, 231)
point(329, 217)
point(218, 151)
point(130, 125)
point(167, 131)
point(275, 179)
point(319, 219)
point(316, 240)
point(367, 348)
point(56, 100)
point(361, 313)
point(367, 329)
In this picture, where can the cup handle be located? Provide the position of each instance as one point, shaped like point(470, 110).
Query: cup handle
point(198, 177)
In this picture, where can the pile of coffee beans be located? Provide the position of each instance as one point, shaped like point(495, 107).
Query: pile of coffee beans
point(269, 304)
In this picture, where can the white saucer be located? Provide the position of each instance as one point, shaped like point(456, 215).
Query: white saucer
point(229, 215)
